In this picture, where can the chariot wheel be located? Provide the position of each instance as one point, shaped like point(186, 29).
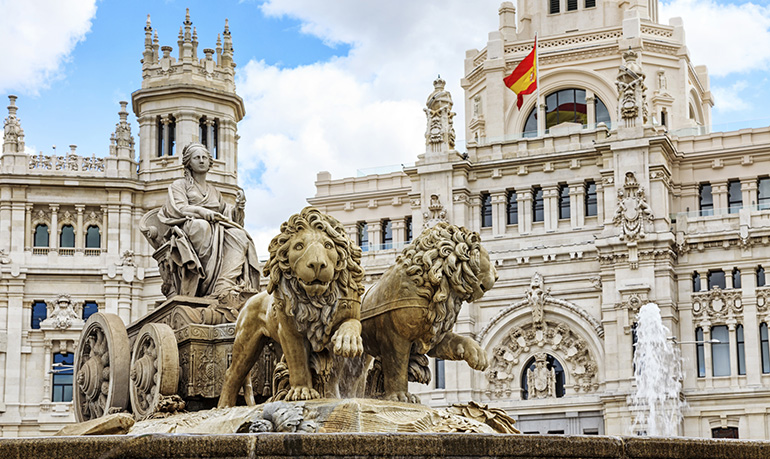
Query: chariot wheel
point(101, 367)
point(154, 368)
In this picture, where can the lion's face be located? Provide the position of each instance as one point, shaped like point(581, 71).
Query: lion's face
point(487, 276)
point(312, 258)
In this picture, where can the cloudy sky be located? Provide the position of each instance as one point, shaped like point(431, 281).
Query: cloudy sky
point(337, 85)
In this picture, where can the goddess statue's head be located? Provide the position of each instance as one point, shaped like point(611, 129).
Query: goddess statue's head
point(187, 154)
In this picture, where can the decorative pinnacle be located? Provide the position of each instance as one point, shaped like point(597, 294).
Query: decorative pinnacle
point(187, 17)
point(12, 108)
point(149, 24)
point(195, 33)
point(123, 113)
point(439, 83)
point(181, 33)
point(219, 41)
point(227, 27)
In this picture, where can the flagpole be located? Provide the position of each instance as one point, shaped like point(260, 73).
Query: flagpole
point(537, 77)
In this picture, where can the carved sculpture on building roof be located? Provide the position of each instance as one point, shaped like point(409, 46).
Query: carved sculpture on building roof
point(412, 309)
point(13, 134)
point(436, 212)
point(440, 133)
point(631, 90)
point(311, 308)
point(541, 380)
point(62, 313)
point(536, 297)
point(632, 211)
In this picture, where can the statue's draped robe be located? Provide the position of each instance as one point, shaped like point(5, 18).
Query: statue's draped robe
point(214, 256)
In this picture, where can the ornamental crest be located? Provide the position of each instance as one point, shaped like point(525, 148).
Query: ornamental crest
point(436, 213)
point(536, 297)
point(632, 210)
point(541, 381)
point(62, 313)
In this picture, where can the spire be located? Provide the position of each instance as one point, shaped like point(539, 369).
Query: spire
point(227, 51)
point(147, 56)
point(180, 42)
point(13, 134)
point(219, 49)
point(122, 136)
point(195, 43)
point(187, 24)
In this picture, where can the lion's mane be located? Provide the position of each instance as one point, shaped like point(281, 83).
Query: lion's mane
point(314, 316)
point(444, 263)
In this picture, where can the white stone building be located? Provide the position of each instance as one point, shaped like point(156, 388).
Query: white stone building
point(603, 193)
point(69, 236)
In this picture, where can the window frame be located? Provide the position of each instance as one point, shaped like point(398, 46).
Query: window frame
point(700, 352)
point(712, 276)
point(705, 208)
point(362, 230)
point(591, 198)
point(720, 352)
point(564, 202)
point(538, 204)
point(512, 207)
point(764, 348)
point(62, 380)
point(61, 236)
point(486, 210)
point(387, 234)
point(88, 245)
point(39, 314)
point(740, 349)
point(734, 204)
point(44, 233)
point(763, 193)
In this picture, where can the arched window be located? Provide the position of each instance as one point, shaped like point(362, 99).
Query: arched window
point(41, 235)
point(550, 363)
point(566, 105)
point(67, 236)
point(93, 237)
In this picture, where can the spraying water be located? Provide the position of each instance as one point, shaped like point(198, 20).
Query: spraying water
point(658, 375)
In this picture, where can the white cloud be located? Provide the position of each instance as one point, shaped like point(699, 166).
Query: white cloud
point(728, 99)
point(357, 111)
point(38, 36)
point(728, 38)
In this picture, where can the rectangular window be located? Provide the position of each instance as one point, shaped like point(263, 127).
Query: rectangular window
point(741, 350)
point(439, 373)
point(512, 205)
point(563, 202)
point(572, 5)
point(763, 193)
point(695, 282)
point(62, 377)
point(705, 200)
point(663, 120)
point(409, 229)
point(89, 308)
point(161, 136)
point(39, 314)
point(553, 6)
point(486, 210)
point(716, 278)
point(734, 196)
point(590, 3)
point(760, 276)
point(591, 208)
point(700, 351)
point(764, 348)
point(387, 234)
point(538, 212)
point(720, 352)
point(363, 236)
point(736, 278)
point(726, 432)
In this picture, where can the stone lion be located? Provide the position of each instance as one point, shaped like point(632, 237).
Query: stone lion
point(411, 311)
point(311, 306)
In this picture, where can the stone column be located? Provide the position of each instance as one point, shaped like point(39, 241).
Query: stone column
point(499, 217)
point(551, 206)
point(352, 231)
point(165, 120)
point(525, 211)
point(749, 191)
point(590, 108)
point(110, 220)
point(577, 208)
point(186, 129)
point(80, 231)
point(600, 217)
point(53, 231)
point(375, 234)
point(751, 328)
point(734, 352)
point(28, 239)
point(719, 195)
point(728, 278)
point(475, 213)
point(125, 221)
point(704, 285)
point(399, 232)
point(47, 358)
point(12, 373)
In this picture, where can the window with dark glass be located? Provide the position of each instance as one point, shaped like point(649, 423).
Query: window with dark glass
point(763, 193)
point(700, 352)
point(724, 432)
point(208, 133)
point(634, 340)
point(736, 278)
point(601, 113)
point(387, 234)
point(89, 308)
point(67, 236)
point(553, 6)
point(590, 4)
point(716, 278)
point(93, 237)
point(567, 105)
point(760, 276)
point(440, 375)
point(486, 210)
point(161, 128)
point(720, 352)
point(538, 207)
point(741, 349)
point(363, 236)
point(572, 5)
point(39, 314)
point(563, 202)
point(171, 149)
point(512, 206)
point(41, 236)
point(764, 348)
point(62, 377)
point(590, 197)
point(705, 199)
point(409, 229)
point(734, 196)
point(663, 121)
point(695, 282)
point(551, 362)
point(530, 127)
point(166, 135)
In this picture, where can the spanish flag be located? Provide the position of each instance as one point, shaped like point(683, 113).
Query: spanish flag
point(523, 80)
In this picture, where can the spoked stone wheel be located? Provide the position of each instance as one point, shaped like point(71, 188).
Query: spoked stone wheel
point(154, 368)
point(101, 367)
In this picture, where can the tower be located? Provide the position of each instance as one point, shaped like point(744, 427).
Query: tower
point(184, 99)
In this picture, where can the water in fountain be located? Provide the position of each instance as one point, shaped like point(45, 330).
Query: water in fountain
point(658, 375)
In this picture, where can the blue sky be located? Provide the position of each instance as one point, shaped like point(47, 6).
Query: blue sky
point(329, 85)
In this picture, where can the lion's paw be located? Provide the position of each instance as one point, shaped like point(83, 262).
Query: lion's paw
point(302, 393)
point(347, 340)
point(474, 354)
point(404, 397)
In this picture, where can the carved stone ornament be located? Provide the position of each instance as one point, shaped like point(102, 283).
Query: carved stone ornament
point(716, 305)
point(631, 90)
point(13, 134)
point(440, 133)
point(536, 297)
point(632, 211)
point(436, 212)
point(62, 313)
point(4, 258)
point(514, 350)
point(541, 381)
point(127, 259)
